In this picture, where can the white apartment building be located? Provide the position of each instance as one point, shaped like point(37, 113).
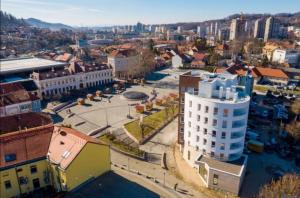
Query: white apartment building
point(76, 76)
point(286, 56)
point(123, 62)
point(215, 123)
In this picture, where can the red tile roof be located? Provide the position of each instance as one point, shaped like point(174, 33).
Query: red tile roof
point(269, 72)
point(13, 93)
point(27, 144)
point(123, 53)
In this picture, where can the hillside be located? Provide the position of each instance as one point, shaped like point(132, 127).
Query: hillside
point(9, 22)
point(42, 24)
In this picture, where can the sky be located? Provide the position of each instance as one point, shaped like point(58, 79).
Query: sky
point(128, 12)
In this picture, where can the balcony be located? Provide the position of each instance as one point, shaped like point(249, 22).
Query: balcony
point(238, 123)
point(237, 135)
point(235, 146)
point(239, 112)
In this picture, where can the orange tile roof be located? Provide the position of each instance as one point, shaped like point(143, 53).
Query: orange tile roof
point(269, 72)
point(66, 144)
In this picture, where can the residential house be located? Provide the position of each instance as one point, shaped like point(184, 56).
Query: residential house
point(269, 49)
point(286, 56)
point(276, 76)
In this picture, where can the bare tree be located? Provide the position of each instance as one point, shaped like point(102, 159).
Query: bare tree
point(295, 108)
point(287, 186)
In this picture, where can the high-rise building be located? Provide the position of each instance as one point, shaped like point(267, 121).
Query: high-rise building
point(212, 28)
point(271, 29)
point(179, 29)
point(201, 32)
point(259, 28)
point(216, 28)
point(237, 29)
point(212, 127)
point(223, 34)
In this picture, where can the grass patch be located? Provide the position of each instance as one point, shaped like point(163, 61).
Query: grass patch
point(119, 145)
point(152, 122)
point(265, 89)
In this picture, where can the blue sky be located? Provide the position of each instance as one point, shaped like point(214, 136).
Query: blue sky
point(108, 12)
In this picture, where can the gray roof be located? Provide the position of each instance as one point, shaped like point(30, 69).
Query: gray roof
point(13, 66)
point(233, 167)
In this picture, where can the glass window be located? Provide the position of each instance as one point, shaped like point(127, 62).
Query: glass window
point(198, 117)
point(190, 103)
point(205, 131)
point(10, 157)
point(215, 122)
point(212, 154)
point(215, 179)
point(223, 135)
point(189, 155)
point(190, 124)
point(214, 133)
point(189, 134)
point(22, 180)
point(204, 141)
point(224, 124)
point(221, 155)
point(7, 184)
point(213, 144)
point(222, 147)
point(197, 138)
point(205, 120)
point(215, 111)
point(225, 112)
point(197, 148)
point(206, 109)
point(190, 114)
point(204, 152)
point(33, 169)
point(198, 128)
point(199, 107)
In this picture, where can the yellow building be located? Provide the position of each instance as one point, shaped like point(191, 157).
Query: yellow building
point(44, 156)
point(76, 158)
point(269, 48)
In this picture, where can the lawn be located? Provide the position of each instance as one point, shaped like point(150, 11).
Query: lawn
point(151, 122)
point(119, 145)
point(265, 89)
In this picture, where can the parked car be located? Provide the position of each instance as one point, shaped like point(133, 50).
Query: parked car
point(256, 146)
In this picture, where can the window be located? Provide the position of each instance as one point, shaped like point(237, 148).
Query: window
point(214, 133)
point(190, 103)
point(213, 144)
point(198, 118)
point(221, 155)
point(182, 99)
point(215, 122)
point(199, 107)
point(222, 147)
point(22, 180)
point(204, 141)
point(189, 155)
point(33, 169)
point(198, 128)
point(19, 170)
point(189, 143)
point(205, 120)
point(206, 109)
point(225, 112)
point(190, 114)
point(7, 184)
point(215, 179)
point(215, 111)
point(205, 131)
point(197, 148)
point(223, 135)
point(10, 157)
point(197, 138)
point(189, 134)
point(212, 154)
point(190, 124)
point(204, 152)
point(224, 124)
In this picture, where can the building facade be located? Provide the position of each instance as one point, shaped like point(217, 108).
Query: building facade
point(77, 76)
point(290, 57)
point(259, 28)
point(124, 62)
point(272, 29)
point(237, 29)
point(213, 121)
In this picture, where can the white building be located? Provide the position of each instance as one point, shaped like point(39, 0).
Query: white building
point(123, 62)
point(176, 60)
point(290, 57)
point(215, 123)
point(237, 29)
point(272, 28)
point(77, 76)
